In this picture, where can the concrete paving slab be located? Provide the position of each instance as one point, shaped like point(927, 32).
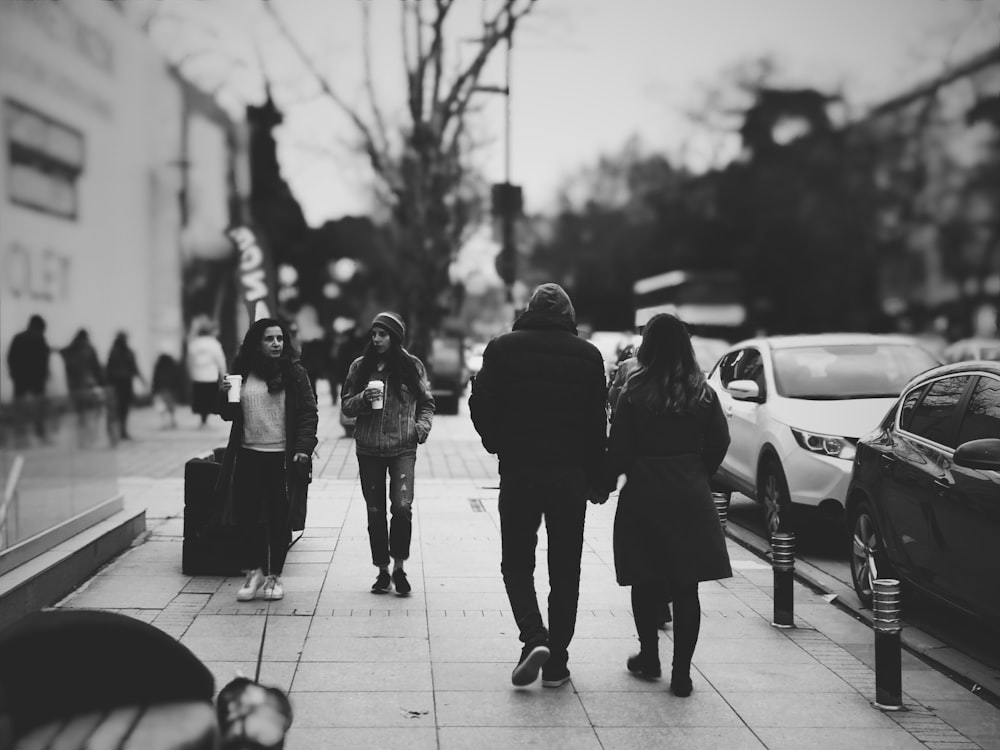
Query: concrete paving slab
point(704, 708)
point(829, 738)
point(399, 625)
point(359, 649)
point(789, 709)
point(406, 738)
point(363, 676)
point(412, 710)
point(689, 738)
point(774, 677)
point(533, 706)
point(503, 738)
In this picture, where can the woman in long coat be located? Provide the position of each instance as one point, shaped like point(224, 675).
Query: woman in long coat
point(267, 464)
point(668, 438)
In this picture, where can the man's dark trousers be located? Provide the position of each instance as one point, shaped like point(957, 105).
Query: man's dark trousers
point(559, 496)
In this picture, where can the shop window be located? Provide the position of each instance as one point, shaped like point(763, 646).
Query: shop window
point(44, 161)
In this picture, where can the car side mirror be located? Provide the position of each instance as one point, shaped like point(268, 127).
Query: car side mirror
point(979, 454)
point(744, 390)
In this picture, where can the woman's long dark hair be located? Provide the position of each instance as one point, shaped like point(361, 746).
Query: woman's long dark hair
point(250, 359)
point(397, 362)
point(669, 379)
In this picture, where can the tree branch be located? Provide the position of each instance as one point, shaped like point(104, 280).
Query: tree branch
point(380, 126)
point(371, 147)
point(436, 53)
point(497, 28)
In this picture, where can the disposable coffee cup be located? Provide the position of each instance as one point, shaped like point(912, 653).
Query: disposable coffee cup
point(377, 402)
point(235, 382)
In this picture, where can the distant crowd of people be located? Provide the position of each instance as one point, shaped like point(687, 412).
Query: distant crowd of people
point(111, 382)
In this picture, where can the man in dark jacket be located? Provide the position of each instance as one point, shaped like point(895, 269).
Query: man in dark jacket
point(28, 362)
point(539, 404)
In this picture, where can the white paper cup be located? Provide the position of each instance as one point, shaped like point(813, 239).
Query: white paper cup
point(377, 402)
point(234, 392)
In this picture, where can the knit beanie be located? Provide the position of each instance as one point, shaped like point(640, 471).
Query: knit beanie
point(392, 323)
point(552, 298)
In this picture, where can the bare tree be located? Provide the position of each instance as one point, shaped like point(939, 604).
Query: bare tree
point(421, 166)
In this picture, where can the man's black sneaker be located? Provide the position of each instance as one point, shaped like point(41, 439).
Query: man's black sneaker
point(554, 676)
point(383, 584)
point(403, 587)
point(532, 659)
point(644, 665)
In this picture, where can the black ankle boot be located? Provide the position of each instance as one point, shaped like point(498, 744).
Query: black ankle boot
point(680, 682)
point(644, 664)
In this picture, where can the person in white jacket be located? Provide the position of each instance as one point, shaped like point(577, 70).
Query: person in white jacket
point(206, 363)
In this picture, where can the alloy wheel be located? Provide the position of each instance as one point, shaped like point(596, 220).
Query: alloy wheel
point(772, 497)
point(864, 550)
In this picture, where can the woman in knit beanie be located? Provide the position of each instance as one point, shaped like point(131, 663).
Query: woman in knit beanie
point(387, 391)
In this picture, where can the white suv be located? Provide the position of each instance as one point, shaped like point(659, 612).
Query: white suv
point(796, 406)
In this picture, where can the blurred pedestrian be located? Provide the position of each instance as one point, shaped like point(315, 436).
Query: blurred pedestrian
point(85, 377)
point(167, 384)
point(538, 402)
point(206, 363)
point(314, 360)
point(668, 438)
point(28, 364)
point(627, 364)
point(267, 464)
point(122, 372)
point(352, 345)
point(387, 392)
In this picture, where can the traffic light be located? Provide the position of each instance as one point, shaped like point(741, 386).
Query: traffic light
point(508, 203)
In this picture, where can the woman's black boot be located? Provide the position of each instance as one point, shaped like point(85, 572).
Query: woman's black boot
point(680, 682)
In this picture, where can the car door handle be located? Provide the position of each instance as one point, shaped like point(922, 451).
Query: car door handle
point(942, 483)
point(729, 412)
point(885, 463)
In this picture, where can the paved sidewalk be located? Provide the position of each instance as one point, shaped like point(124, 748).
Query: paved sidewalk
point(433, 670)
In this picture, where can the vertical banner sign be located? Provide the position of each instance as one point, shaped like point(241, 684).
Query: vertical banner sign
point(256, 275)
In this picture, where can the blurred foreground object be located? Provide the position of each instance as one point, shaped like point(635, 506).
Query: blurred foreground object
point(118, 681)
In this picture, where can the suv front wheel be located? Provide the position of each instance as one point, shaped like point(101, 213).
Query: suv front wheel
point(772, 491)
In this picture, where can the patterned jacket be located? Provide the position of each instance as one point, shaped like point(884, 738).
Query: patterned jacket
point(403, 422)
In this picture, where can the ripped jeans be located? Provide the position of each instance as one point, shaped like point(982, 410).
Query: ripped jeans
point(392, 539)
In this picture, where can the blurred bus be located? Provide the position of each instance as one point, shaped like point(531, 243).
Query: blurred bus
point(711, 303)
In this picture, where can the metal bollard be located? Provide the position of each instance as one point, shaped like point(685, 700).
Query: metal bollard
point(783, 565)
point(886, 606)
point(721, 500)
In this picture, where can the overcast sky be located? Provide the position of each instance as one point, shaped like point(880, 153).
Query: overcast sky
point(587, 74)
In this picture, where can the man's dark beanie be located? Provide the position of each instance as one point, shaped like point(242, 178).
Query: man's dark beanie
point(552, 298)
point(391, 323)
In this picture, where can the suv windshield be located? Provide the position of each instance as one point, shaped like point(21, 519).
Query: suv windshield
point(847, 371)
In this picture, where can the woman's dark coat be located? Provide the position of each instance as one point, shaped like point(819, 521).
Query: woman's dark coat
point(301, 419)
point(666, 526)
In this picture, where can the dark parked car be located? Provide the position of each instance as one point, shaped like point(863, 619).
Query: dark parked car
point(924, 498)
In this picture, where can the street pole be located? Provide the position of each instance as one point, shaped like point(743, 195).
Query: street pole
point(509, 248)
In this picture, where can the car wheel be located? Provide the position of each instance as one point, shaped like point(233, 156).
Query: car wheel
point(868, 560)
point(772, 491)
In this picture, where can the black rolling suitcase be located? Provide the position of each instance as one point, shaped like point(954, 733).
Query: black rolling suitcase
point(209, 548)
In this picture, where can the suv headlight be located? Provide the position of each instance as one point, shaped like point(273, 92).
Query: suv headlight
point(828, 445)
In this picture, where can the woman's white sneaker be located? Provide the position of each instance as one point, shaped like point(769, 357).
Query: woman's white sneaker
point(253, 582)
point(272, 589)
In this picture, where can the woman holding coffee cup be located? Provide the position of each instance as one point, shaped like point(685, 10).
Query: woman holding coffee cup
point(268, 461)
point(387, 391)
